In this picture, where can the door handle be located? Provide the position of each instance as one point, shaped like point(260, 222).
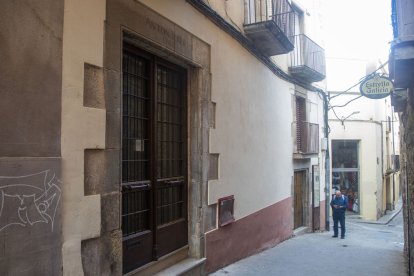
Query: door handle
point(174, 182)
point(143, 186)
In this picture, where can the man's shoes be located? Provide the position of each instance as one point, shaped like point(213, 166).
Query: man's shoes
point(342, 237)
point(334, 236)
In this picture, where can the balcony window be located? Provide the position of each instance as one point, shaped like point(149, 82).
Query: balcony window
point(307, 138)
point(270, 24)
point(307, 60)
point(307, 134)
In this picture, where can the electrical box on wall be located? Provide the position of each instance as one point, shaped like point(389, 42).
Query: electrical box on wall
point(324, 144)
point(225, 210)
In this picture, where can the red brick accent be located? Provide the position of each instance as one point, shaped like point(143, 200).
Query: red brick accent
point(256, 232)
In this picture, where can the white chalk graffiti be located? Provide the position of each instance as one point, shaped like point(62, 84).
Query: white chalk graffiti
point(30, 199)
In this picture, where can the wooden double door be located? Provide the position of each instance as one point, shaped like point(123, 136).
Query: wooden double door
point(299, 196)
point(154, 158)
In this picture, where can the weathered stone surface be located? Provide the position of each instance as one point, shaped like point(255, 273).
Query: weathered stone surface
point(101, 176)
point(113, 36)
point(103, 256)
point(112, 90)
point(90, 251)
point(31, 77)
point(94, 171)
point(112, 172)
point(201, 53)
point(183, 42)
point(30, 216)
point(113, 130)
point(115, 261)
point(93, 87)
point(110, 210)
point(210, 216)
point(213, 171)
point(212, 115)
point(407, 153)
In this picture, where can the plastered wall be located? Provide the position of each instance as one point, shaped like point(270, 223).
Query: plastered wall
point(253, 118)
point(82, 127)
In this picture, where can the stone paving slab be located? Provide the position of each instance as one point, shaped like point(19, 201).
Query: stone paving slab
point(368, 249)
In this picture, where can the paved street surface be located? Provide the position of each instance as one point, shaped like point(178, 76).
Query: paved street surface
point(368, 249)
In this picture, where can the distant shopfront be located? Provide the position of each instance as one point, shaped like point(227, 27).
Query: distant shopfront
point(345, 171)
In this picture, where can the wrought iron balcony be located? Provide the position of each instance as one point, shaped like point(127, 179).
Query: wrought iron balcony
point(307, 60)
point(307, 138)
point(270, 24)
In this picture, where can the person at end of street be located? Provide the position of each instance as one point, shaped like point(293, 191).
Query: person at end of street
point(339, 204)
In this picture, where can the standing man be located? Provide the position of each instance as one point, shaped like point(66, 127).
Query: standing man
point(339, 204)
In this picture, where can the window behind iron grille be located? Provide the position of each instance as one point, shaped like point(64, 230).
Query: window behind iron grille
point(170, 145)
point(135, 143)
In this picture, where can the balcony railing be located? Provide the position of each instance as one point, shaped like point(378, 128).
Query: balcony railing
point(307, 137)
point(270, 24)
point(307, 59)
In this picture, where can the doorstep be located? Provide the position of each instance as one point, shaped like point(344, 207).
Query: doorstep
point(187, 267)
point(162, 263)
point(301, 230)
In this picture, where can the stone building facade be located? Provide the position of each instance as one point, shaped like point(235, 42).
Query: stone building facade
point(401, 68)
point(142, 136)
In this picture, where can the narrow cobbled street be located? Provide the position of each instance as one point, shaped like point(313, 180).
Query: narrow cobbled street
point(368, 249)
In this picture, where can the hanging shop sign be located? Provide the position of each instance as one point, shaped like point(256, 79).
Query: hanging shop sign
point(376, 87)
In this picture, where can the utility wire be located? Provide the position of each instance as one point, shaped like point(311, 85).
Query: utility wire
point(333, 110)
point(361, 80)
point(346, 102)
point(343, 92)
point(332, 107)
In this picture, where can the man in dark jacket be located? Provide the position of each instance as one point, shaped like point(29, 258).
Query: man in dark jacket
point(339, 204)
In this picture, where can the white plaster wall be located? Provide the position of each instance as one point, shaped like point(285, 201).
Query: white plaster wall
point(253, 138)
point(313, 19)
point(82, 127)
point(253, 117)
point(252, 134)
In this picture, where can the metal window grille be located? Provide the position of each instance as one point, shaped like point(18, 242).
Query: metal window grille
point(135, 145)
point(170, 146)
point(135, 119)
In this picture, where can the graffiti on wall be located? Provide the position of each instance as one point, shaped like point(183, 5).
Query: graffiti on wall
point(29, 200)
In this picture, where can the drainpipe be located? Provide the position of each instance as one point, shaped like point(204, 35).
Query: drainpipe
point(393, 154)
point(327, 161)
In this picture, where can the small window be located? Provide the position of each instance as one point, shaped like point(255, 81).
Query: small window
point(226, 210)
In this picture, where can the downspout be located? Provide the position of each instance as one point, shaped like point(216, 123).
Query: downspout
point(383, 176)
point(393, 154)
point(327, 161)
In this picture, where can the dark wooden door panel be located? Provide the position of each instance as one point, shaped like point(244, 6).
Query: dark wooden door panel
point(172, 236)
point(137, 250)
point(298, 199)
point(171, 215)
point(316, 218)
